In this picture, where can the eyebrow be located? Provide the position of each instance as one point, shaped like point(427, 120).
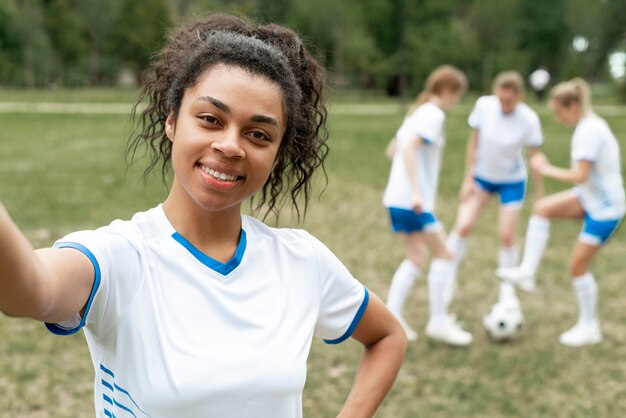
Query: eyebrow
point(224, 108)
point(217, 103)
point(265, 119)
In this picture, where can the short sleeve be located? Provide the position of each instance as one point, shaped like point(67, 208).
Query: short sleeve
point(585, 145)
point(427, 122)
point(534, 138)
point(117, 269)
point(343, 298)
point(475, 118)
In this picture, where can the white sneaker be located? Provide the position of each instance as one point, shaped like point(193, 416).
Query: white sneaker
point(448, 331)
point(521, 279)
point(582, 334)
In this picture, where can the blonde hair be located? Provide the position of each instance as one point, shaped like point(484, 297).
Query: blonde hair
point(445, 77)
point(575, 90)
point(510, 80)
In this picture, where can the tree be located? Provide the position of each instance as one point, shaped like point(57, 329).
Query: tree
point(139, 31)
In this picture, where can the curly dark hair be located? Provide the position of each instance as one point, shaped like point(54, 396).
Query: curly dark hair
point(272, 51)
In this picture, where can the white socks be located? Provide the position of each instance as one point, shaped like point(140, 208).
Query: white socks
point(537, 236)
point(457, 246)
point(401, 284)
point(507, 257)
point(440, 277)
point(586, 291)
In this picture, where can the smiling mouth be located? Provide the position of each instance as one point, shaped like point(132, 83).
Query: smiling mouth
point(219, 175)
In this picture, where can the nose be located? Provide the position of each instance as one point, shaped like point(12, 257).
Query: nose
point(229, 144)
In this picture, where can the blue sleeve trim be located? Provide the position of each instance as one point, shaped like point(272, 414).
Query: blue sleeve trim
point(426, 140)
point(355, 321)
point(56, 328)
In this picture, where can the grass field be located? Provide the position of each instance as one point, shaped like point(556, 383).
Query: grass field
point(61, 171)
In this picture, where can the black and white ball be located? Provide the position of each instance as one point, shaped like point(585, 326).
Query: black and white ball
point(503, 321)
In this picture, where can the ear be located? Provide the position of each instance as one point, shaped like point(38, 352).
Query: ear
point(170, 126)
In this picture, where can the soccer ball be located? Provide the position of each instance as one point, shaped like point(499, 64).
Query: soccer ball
point(503, 321)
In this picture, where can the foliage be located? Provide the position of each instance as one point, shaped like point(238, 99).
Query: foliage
point(387, 45)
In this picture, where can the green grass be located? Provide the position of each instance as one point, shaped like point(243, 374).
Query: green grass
point(63, 172)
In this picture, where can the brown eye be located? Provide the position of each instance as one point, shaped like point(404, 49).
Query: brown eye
point(212, 120)
point(259, 135)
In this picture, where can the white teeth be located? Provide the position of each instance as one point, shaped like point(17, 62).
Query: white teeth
point(218, 175)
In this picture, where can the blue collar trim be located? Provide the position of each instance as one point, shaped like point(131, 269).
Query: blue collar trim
point(222, 268)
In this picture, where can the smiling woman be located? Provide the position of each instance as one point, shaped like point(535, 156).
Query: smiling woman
point(190, 308)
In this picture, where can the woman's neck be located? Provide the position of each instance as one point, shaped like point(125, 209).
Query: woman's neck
point(215, 233)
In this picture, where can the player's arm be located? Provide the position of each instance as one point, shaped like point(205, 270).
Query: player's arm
point(385, 343)
point(470, 157)
point(537, 178)
point(49, 285)
point(408, 154)
point(578, 173)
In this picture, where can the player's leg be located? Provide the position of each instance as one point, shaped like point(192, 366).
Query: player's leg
point(408, 225)
point(508, 253)
point(593, 236)
point(405, 276)
point(587, 328)
point(511, 200)
point(442, 326)
point(560, 205)
point(467, 215)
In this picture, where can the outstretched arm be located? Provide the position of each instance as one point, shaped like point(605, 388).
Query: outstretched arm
point(49, 285)
point(537, 178)
point(385, 343)
point(578, 173)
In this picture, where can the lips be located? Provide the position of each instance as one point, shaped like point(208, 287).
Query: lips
point(219, 180)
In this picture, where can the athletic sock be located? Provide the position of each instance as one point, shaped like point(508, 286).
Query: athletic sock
point(439, 277)
point(537, 236)
point(401, 284)
point(507, 257)
point(457, 245)
point(586, 291)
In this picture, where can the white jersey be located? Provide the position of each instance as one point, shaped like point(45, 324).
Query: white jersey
point(501, 139)
point(602, 194)
point(175, 333)
point(427, 123)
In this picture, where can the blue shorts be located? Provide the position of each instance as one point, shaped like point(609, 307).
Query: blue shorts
point(597, 232)
point(408, 221)
point(509, 193)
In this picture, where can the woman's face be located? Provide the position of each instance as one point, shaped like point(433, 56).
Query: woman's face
point(449, 99)
point(225, 138)
point(509, 98)
point(567, 115)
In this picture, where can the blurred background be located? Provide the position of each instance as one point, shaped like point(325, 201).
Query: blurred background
point(386, 46)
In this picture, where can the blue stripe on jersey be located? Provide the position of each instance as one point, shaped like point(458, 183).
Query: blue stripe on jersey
point(57, 329)
point(114, 387)
point(107, 385)
point(355, 321)
point(222, 268)
point(107, 371)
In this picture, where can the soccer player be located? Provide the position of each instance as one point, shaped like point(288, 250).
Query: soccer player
point(503, 126)
point(191, 309)
point(597, 199)
point(410, 199)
